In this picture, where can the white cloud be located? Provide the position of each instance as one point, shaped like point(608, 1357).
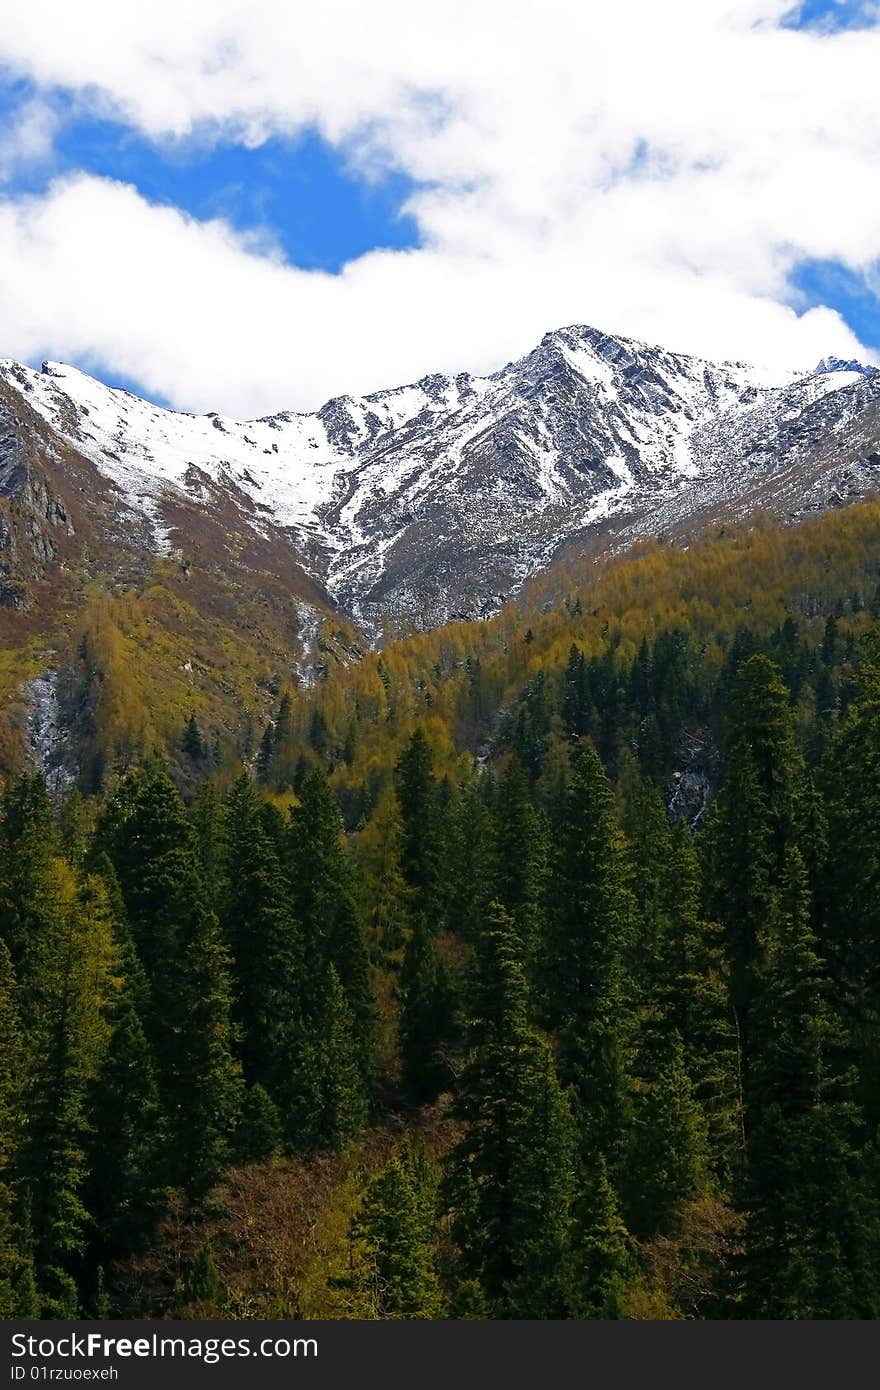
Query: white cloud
point(653, 169)
point(28, 138)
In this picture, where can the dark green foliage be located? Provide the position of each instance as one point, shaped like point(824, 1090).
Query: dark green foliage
point(812, 1220)
point(259, 1134)
point(617, 900)
point(329, 913)
point(397, 1227)
point(124, 1193)
point(15, 1266)
point(154, 852)
point(193, 743)
point(426, 1017)
point(602, 1258)
point(257, 923)
point(523, 855)
point(591, 932)
point(204, 1287)
point(421, 846)
point(511, 1180)
point(667, 1159)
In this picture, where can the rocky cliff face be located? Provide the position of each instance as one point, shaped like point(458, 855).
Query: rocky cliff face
point(32, 515)
point(436, 500)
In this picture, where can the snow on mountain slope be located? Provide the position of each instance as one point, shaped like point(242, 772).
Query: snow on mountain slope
point(439, 498)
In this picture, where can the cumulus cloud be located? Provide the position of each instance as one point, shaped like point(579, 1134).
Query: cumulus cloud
point(657, 170)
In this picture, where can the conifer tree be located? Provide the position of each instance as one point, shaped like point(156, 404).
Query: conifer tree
point(693, 1001)
point(193, 743)
point(667, 1158)
point(421, 848)
point(258, 926)
point(28, 840)
point(202, 1078)
point(426, 1016)
point(601, 1261)
point(14, 1257)
point(522, 858)
point(591, 930)
point(343, 1098)
point(510, 1181)
point(265, 756)
point(124, 1194)
point(208, 824)
point(812, 1231)
point(68, 963)
point(470, 862)
point(152, 846)
point(328, 910)
point(758, 818)
point(259, 1134)
point(850, 892)
point(397, 1228)
point(204, 1289)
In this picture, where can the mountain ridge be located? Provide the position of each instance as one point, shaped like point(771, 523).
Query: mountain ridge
point(436, 500)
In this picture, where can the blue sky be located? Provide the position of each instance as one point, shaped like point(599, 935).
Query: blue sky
point(333, 208)
point(300, 190)
point(833, 15)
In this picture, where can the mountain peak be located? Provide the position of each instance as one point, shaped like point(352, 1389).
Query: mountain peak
point(839, 364)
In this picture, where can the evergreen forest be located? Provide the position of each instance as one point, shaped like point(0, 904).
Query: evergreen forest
point(521, 969)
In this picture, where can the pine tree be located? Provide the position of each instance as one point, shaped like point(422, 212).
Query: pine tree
point(202, 1079)
point(397, 1228)
point(124, 1194)
point(470, 862)
point(850, 892)
point(510, 1181)
point(259, 1134)
point(265, 756)
point(601, 1261)
point(523, 855)
point(693, 1001)
point(328, 910)
point(14, 1256)
point(153, 848)
point(343, 1101)
point(208, 825)
point(67, 967)
point(758, 817)
point(812, 1232)
point(426, 1017)
point(591, 930)
point(28, 840)
point(257, 923)
point(193, 744)
point(667, 1158)
point(421, 847)
point(203, 1290)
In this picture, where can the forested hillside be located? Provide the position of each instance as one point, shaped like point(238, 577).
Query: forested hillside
point(522, 969)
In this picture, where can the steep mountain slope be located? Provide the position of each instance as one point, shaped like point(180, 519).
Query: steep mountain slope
point(437, 500)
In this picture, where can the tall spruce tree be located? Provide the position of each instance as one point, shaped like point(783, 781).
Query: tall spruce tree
point(328, 909)
point(812, 1232)
point(523, 857)
point(124, 1193)
point(397, 1229)
point(152, 846)
point(850, 892)
point(257, 923)
point(510, 1179)
point(590, 933)
point(16, 1272)
point(421, 840)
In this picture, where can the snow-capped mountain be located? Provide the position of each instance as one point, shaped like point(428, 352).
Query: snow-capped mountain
point(438, 499)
